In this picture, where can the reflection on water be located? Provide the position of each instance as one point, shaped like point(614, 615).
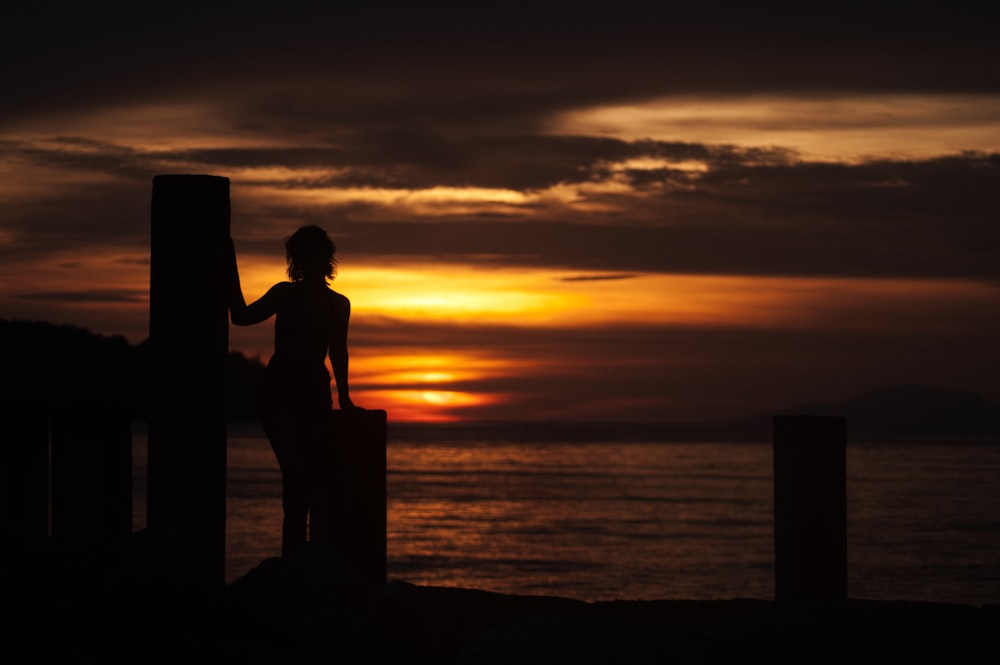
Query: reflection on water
point(592, 521)
point(600, 521)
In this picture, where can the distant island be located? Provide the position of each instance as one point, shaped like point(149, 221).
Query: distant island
point(60, 364)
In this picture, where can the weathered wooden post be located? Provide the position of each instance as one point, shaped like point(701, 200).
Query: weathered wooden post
point(24, 481)
point(91, 474)
point(350, 499)
point(810, 508)
point(189, 341)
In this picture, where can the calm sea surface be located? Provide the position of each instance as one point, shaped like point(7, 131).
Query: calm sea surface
point(601, 521)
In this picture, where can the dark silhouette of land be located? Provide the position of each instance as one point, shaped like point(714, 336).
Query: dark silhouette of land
point(130, 603)
point(95, 368)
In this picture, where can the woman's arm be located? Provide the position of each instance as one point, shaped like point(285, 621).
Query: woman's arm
point(338, 350)
point(240, 312)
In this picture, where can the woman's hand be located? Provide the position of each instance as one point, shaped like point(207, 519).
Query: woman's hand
point(228, 260)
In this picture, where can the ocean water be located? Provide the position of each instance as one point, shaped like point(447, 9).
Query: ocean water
point(606, 520)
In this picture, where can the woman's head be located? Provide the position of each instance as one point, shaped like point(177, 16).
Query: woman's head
point(310, 254)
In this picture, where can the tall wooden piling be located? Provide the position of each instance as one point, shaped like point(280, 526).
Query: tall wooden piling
point(810, 508)
point(349, 506)
point(189, 341)
point(24, 481)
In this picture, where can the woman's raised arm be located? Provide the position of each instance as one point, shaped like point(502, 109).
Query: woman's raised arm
point(240, 313)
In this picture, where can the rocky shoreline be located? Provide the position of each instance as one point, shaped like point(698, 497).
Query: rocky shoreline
point(96, 609)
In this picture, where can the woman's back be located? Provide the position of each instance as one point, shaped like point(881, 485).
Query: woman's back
point(305, 322)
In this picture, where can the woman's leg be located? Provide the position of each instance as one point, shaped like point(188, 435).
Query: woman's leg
point(291, 450)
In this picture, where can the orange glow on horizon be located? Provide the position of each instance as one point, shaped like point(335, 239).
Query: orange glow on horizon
point(470, 295)
point(399, 305)
point(420, 384)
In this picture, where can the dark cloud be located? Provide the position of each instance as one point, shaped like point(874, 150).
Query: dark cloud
point(599, 278)
point(134, 260)
point(83, 219)
point(409, 159)
point(85, 155)
point(751, 211)
point(412, 64)
point(890, 219)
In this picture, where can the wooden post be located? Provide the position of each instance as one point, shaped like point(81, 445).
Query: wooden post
point(91, 475)
point(350, 501)
point(24, 481)
point(810, 508)
point(189, 341)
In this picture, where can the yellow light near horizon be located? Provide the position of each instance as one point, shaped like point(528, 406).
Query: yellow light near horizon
point(441, 397)
point(436, 377)
point(422, 405)
point(521, 297)
point(450, 293)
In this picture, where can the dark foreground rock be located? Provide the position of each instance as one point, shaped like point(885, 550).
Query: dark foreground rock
point(119, 606)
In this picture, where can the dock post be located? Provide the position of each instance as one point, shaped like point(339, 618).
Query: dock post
point(189, 341)
point(24, 482)
point(810, 508)
point(350, 505)
point(91, 475)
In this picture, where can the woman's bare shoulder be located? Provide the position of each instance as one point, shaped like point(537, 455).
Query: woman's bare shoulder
point(279, 289)
point(339, 300)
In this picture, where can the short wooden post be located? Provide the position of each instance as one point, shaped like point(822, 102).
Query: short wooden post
point(810, 508)
point(91, 475)
point(350, 503)
point(189, 341)
point(24, 481)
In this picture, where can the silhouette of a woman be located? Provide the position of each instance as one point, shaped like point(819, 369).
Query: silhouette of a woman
point(310, 323)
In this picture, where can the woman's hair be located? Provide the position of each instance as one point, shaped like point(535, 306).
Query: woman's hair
point(310, 252)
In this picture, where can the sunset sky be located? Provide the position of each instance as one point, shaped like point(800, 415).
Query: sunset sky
point(563, 212)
